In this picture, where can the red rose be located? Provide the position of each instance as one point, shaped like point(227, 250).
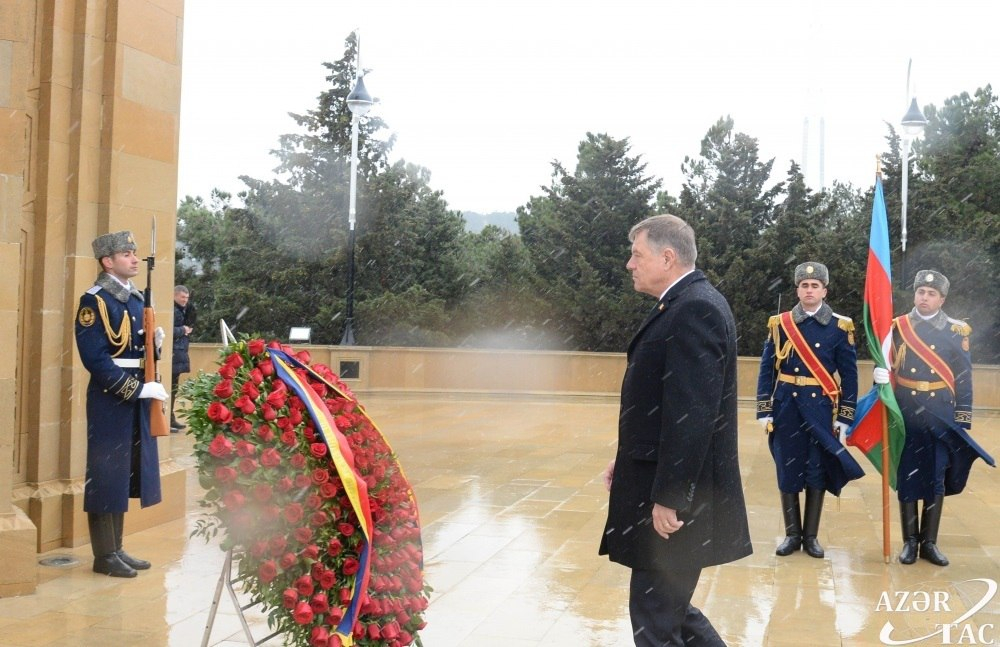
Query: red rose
point(256, 376)
point(390, 631)
point(220, 447)
point(295, 415)
point(267, 412)
point(248, 466)
point(271, 512)
point(266, 368)
point(265, 433)
point(234, 499)
point(293, 513)
point(303, 613)
point(259, 548)
point(268, 571)
point(336, 615)
point(320, 475)
point(310, 552)
point(255, 347)
point(304, 585)
point(314, 501)
point(345, 528)
point(303, 534)
point(373, 632)
point(284, 484)
point(270, 457)
point(333, 549)
point(262, 492)
point(319, 636)
point(318, 518)
point(250, 390)
point(344, 596)
point(302, 480)
point(288, 560)
point(289, 597)
point(298, 461)
point(303, 356)
point(351, 566)
point(225, 474)
point(327, 579)
point(235, 360)
point(219, 413)
point(319, 603)
point(328, 490)
point(227, 372)
point(278, 545)
point(223, 389)
point(245, 404)
point(277, 397)
point(319, 388)
point(240, 426)
point(245, 449)
point(288, 437)
point(318, 450)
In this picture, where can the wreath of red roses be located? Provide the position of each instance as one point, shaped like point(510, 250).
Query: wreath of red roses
point(274, 493)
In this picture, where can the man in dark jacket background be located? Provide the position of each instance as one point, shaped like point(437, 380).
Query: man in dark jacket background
point(184, 316)
point(676, 498)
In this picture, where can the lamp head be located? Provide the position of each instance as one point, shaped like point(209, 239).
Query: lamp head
point(359, 101)
point(914, 121)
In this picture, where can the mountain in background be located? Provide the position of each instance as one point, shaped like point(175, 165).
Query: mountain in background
point(504, 219)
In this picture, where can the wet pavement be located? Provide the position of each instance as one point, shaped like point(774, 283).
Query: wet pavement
point(513, 508)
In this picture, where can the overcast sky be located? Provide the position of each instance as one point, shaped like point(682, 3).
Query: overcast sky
point(486, 94)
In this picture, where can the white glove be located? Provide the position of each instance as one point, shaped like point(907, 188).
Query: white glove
point(880, 375)
point(153, 390)
point(764, 422)
point(841, 429)
point(158, 336)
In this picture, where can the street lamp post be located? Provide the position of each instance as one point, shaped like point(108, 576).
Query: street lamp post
point(913, 123)
point(359, 102)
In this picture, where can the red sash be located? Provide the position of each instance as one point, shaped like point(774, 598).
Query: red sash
point(801, 346)
point(924, 352)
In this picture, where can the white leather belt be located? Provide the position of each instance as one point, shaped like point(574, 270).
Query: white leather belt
point(129, 363)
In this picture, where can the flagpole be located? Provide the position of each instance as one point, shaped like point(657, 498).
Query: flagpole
point(885, 486)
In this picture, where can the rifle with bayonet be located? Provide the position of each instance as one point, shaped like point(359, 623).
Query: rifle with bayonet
point(157, 410)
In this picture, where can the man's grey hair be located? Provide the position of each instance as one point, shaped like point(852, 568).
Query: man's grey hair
point(666, 230)
point(182, 289)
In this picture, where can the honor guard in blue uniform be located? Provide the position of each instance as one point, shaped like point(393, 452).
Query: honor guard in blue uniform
point(932, 368)
point(122, 460)
point(804, 409)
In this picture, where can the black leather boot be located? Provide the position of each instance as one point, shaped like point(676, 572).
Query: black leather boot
point(911, 538)
point(793, 525)
point(810, 525)
point(930, 523)
point(118, 519)
point(102, 542)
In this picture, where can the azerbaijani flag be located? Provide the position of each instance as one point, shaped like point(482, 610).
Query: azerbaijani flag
point(878, 406)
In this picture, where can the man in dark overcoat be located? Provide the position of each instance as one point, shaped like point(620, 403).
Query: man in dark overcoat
point(804, 409)
point(932, 366)
point(180, 361)
point(676, 500)
point(122, 460)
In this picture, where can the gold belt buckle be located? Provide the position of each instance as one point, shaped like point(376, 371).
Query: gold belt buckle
point(923, 386)
point(800, 380)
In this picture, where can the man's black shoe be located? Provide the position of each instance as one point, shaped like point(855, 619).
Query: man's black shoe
point(111, 565)
point(137, 564)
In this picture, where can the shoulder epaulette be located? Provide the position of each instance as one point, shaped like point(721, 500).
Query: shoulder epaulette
point(844, 323)
point(94, 289)
point(960, 327)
